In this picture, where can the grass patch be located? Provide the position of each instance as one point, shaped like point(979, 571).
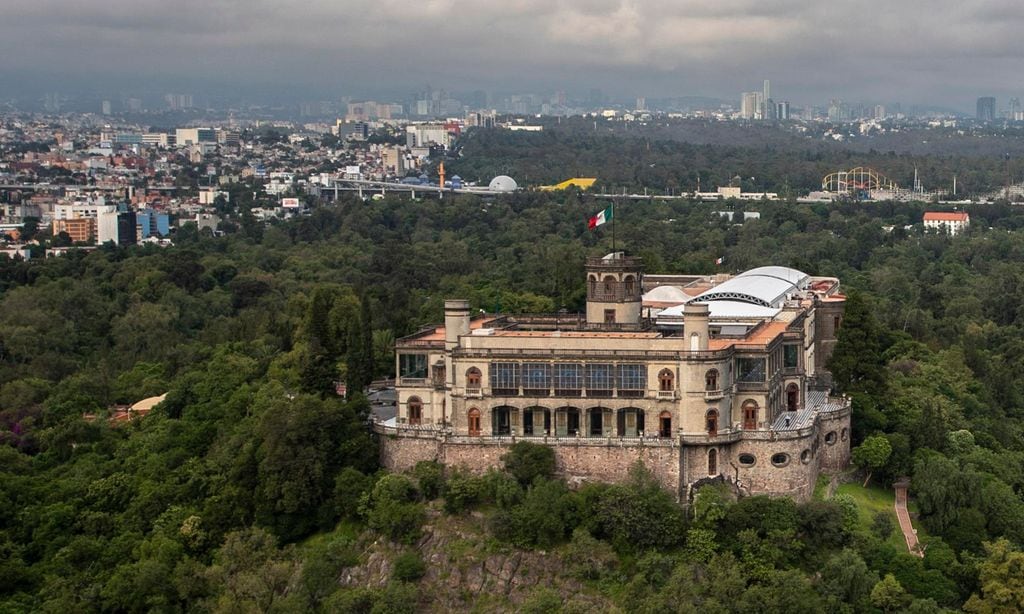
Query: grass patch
point(876, 499)
point(346, 529)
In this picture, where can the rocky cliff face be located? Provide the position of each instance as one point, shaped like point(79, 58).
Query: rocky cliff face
point(469, 570)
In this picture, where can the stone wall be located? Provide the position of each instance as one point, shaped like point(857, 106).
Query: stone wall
point(399, 453)
point(576, 462)
point(612, 463)
point(673, 466)
point(834, 456)
point(795, 477)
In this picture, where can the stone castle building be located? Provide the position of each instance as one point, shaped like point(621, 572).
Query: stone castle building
point(700, 377)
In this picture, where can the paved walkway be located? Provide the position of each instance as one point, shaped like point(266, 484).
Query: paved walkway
point(904, 517)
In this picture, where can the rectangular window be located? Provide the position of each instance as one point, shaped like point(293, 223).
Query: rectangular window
point(412, 365)
point(750, 370)
point(790, 356)
point(632, 380)
point(568, 379)
point(600, 380)
point(536, 378)
point(609, 316)
point(504, 378)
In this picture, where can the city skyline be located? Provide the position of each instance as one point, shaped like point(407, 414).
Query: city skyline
point(944, 54)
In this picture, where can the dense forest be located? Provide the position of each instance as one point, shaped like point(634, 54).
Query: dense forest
point(253, 487)
point(672, 158)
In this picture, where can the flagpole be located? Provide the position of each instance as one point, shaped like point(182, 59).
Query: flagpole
point(612, 226)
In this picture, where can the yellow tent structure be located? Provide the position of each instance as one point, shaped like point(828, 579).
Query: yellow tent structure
point(582, 183)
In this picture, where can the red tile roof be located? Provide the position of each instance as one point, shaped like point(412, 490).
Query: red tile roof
point(939, 216)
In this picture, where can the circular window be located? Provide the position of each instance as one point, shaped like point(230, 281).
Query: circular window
point(846, 433)
point(830, 438)
point(805, 456)
point(747, 460)
point(780, 459)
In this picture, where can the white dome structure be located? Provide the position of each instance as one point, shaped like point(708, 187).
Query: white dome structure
point(503, 183)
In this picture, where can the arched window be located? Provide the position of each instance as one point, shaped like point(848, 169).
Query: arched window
point(473, 422)
point(415, 407)
point(597, 420)
point(473, 378)
point(792, 397)
point(666, 380)
point(711, 380)
point(609, 285)
point(501, 420)
point(711, 420)
point(712, 462)
point(665, 424)
point(567, 422)
point(749, 414)
point(629, 283)
point(593, 284)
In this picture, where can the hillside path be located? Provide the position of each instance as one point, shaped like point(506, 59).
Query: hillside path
point(904, 517)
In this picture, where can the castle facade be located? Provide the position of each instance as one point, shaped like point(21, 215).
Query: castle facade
point(700, 377)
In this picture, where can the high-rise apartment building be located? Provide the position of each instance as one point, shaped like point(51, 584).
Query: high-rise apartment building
point(748, 105)
point(1014, 113)
point(986, 109)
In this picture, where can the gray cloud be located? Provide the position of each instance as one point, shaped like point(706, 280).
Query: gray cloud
point(912, 50)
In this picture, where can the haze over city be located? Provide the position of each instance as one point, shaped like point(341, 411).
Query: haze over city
point(939, 53)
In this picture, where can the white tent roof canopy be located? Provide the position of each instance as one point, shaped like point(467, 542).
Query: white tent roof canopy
point(765, 286)
point(726, 310)
point(793, 276)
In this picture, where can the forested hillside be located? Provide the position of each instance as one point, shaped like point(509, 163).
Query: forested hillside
point(253, 487)
point(672, 158)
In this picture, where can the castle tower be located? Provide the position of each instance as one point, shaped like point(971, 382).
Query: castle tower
point(614, 289)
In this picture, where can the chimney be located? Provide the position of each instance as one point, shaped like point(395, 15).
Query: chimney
point(456, 321)
point(695, 325)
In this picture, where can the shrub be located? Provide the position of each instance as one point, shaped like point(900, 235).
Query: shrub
point(349, 488)
point(882, 524)
point(542, 519)
point(542, 600)
point(461, 492)
point(358, 599)
point(397, 598)
point(588, 558)
point(638, 514)
point(503, 489)
point(430, 477)
point(527, 461)
point(408, 567)
point(392, 509)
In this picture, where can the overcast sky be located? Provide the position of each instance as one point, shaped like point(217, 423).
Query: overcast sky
point(943, 52)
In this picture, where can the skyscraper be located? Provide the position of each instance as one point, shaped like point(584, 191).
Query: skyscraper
point(767, 104)
point(1015, 110)
point(986, 109)
point(748, 105)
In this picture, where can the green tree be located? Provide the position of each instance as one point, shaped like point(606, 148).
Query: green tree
point(1001, 576)
point(856, 364)
point(871, 455)
point(888, 595)
point(846, 580)
point(392, 508)
point(527, 461)
point(298, 459)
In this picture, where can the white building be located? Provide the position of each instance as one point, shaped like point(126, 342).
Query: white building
point(953, 223)
point(422, 135)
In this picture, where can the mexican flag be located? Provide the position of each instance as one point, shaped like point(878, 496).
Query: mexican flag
point(600, 218)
